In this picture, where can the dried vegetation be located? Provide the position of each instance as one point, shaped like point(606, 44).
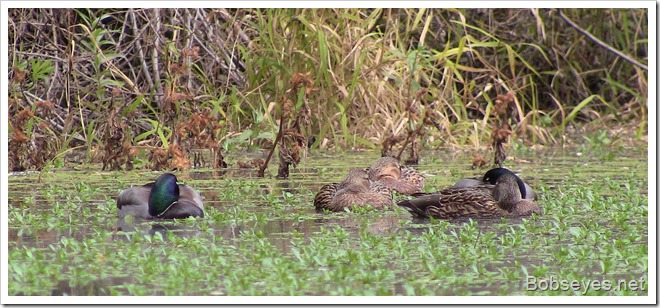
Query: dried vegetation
point(172, 84)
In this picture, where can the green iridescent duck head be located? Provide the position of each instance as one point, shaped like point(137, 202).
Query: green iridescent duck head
point(162, 199)
point(164, 194)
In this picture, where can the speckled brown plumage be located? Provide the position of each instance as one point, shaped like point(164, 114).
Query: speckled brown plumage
point(391, 174)
point(325, 195)
point(355, 190)
point(500, 200)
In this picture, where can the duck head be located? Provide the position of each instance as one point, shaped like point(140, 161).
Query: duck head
point(493, 175)
point(164, 194)
point(507, 191)
point(357, 180)
point(385, 168)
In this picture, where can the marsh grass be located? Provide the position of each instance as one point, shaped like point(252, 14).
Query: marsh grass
point(158, 68)
point(263, 237)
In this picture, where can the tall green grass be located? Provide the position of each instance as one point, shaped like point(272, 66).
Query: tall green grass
point(367, 66)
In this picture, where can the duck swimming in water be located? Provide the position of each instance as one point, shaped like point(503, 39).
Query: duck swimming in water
point(504, 199)
point(164, 199)
point(354, 191)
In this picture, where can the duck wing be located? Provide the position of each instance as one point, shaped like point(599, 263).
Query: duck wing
point(413, 179)
point(188, 193)
point(134, 201)
point(183, 208)
point(468, 182)
point(474, 201)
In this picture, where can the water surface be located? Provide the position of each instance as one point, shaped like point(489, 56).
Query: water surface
point(262, 236)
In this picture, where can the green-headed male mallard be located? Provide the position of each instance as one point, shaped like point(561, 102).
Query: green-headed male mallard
point(491, 176)
point(504, 199)
point(392, 175)
point(355, 190)
point(161, 199)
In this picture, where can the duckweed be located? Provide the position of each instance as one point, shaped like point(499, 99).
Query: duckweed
point(263, 237)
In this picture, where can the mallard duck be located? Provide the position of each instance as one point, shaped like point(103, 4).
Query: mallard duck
point(355, 190)
point(403, 179)
point(491, 176)
point(161, 199)
point(504, 199)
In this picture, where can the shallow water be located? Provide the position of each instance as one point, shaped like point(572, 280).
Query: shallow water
point(72, 212)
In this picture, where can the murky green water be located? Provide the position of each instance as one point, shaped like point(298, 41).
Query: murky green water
point(263, 236)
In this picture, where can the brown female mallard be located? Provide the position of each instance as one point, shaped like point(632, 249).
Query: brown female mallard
point(503, 199)
point(355, 190)
point(491, 176)
point(403, 179)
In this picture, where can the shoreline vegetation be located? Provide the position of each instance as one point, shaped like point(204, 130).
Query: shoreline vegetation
point(163, 85)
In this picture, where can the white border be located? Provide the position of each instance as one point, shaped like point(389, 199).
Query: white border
point(401, 300)
point(4, 165)
point(652, 153)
